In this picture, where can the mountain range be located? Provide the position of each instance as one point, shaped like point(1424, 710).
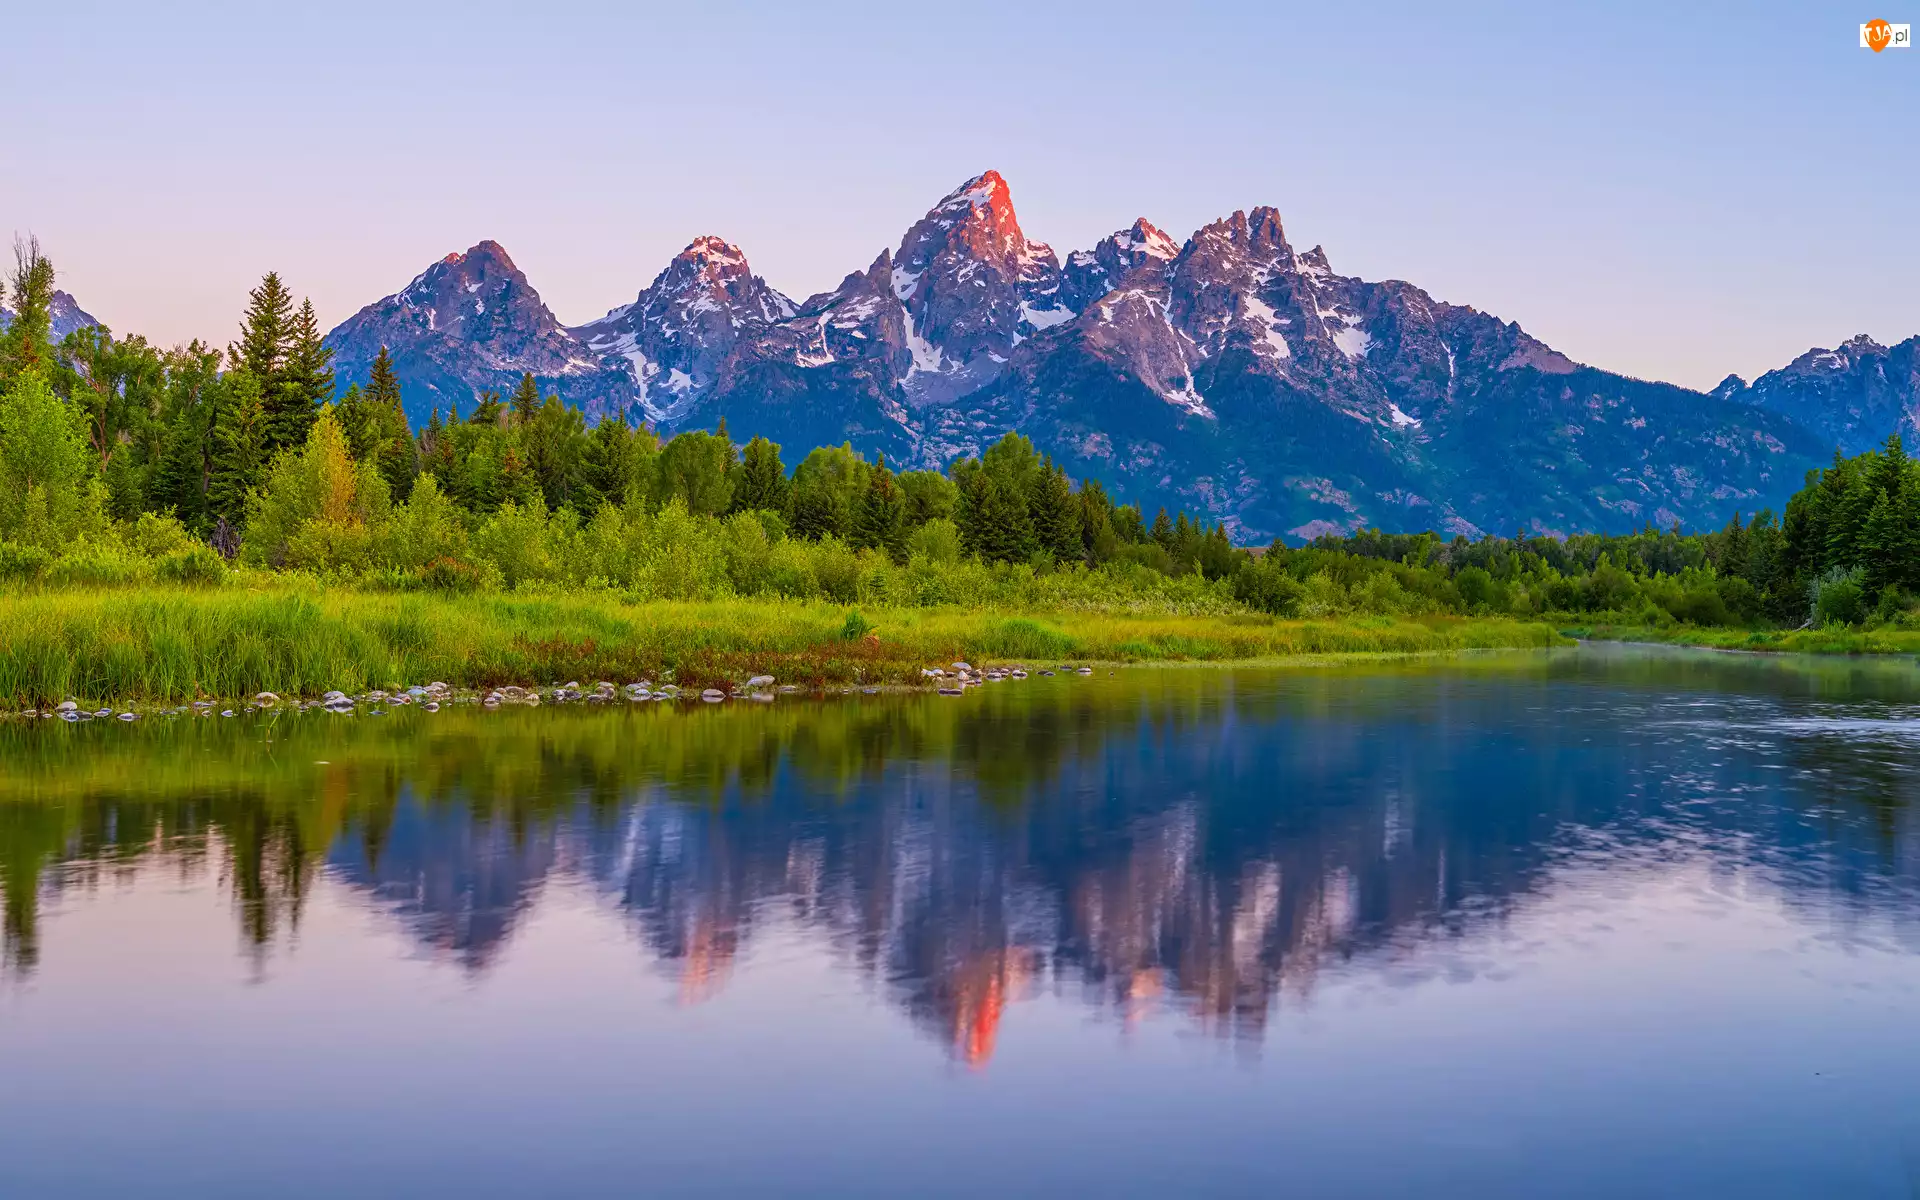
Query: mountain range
point(1230, 374)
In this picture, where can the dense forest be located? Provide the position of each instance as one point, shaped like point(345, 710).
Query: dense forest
point(124, 463)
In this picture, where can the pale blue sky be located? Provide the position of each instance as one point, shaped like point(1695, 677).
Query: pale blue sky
point(1674, 194)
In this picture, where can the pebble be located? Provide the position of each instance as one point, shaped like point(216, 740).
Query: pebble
point(1084, 671)
point(713, 695)
point(759, 681)
point(961, 667)
point(66, 706)
point(266, 698)
point(953, 691)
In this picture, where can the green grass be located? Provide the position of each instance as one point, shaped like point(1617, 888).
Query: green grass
point(1846, 640)
point(169, 644)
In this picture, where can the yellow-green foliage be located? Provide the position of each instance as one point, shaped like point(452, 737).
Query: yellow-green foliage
point(170, 643)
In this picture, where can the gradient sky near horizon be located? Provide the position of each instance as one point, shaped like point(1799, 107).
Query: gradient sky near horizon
point(1672, 194)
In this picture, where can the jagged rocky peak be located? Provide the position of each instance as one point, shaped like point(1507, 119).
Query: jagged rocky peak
point(1091, 274)
point(971, 287)
point(471, 323)
point(477, 290)
point(676, 337)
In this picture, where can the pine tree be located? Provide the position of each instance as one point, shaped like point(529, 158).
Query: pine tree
point(487, 412)
point(383, 387)
point(1005, 532)
point(1889, 541)
point(306, 383)
point(266, 334)
point(761, 481)
point(1162, 533)
point(236, 464)
point(607, 466)
point(179, 480)
point(881, 523)
point(525, 403)
point(1057, 517)
point(357, 424)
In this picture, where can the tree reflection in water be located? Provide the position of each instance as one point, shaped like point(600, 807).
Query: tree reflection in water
point(1208, 840)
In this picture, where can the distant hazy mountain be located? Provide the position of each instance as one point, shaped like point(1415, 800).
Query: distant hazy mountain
point(1231, 374)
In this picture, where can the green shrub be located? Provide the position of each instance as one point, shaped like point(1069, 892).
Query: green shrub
point(23, 564)
point(196, 566)
point(1839, 597)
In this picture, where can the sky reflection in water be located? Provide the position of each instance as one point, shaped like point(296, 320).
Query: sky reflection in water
point(1597, 923)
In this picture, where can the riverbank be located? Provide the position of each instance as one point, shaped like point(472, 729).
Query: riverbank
point(1847, 640)
point(164, 645)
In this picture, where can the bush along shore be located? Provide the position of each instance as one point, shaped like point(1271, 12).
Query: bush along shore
point(182, 524)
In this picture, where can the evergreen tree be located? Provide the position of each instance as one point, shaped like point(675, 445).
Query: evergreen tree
point(1163, 531)
point(525, 402)
point(358, 424)
point(609, 466)
point(179, 481)
point(555, 444)
point(1005, 527)
point(305, 384)
point(1057, 516)
point(383, 386)
point(488, 412)
point(236, 462)
point(761, 481)
point(266, 334)
point(881, 523)
point(1889, 542)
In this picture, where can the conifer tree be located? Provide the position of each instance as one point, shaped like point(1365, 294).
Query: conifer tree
point(235, 461)
point(489, 411)
point(1057, 517)
point(266, 333)
point(355, 416)
point(306, 383)
point(1162, 533)
point(525, 402)
point(761, 481)
point(607, 466)
point(881, 523)
point(383, 387)
point(179, 480)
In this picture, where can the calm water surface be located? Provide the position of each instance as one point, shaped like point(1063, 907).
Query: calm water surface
point(1593, 923)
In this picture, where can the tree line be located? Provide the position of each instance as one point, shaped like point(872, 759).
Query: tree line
point(112, 446)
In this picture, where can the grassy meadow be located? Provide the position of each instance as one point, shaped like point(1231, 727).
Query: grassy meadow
point(162, 644)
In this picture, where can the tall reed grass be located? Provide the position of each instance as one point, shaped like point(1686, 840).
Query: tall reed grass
point(168, 644)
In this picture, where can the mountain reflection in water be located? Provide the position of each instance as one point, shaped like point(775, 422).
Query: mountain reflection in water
point(1211, 842)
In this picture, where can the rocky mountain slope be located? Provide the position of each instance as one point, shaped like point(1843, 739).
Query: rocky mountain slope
point(468, 324)
point(1231, 374)
point(1851, 397)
